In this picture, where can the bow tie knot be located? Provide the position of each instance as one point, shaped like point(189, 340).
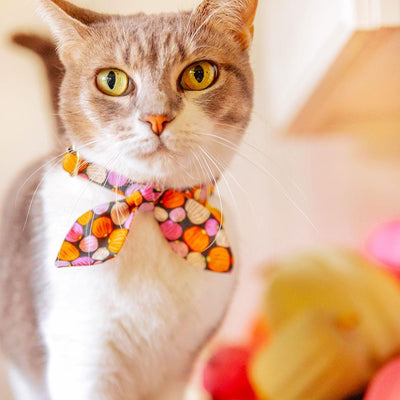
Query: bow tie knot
point(191, 226)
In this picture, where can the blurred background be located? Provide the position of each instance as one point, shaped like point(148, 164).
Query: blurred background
point(320, 164)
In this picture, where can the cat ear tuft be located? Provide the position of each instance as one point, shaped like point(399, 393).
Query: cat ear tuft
point(68, 22)
point(236, 16)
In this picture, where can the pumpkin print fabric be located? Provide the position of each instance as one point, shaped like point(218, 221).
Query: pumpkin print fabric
point(191, 226)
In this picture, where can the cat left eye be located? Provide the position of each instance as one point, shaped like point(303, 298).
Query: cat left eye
point(112, 82)
point(199, 76)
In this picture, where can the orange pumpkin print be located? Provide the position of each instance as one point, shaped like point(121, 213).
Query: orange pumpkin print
point(117, 239)
point(173, 199)
point(70, 162)
point(196, 238)
point(85, 218)
point(216, 214)
point(135, 199)
point(68, 252)
point(102, 227)
point(219, 259)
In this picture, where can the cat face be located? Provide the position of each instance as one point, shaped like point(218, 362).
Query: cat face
point(161, 98)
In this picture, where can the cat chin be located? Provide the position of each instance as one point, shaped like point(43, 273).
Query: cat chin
point(157, 152)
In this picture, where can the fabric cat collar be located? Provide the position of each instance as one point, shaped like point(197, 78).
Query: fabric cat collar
point(191, 226)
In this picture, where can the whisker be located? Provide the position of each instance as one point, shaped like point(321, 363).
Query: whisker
point(118, 211)
point(250, 204)
point(189, 21)
point(205, 174)
point(89, 183)
point(220, 201)
point(227, 144)
point(206, 20)
point(33, 198)
point(259, 152)
point(47, 163)
point(223, 177)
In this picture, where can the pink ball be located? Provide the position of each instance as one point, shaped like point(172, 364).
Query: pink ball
point(225, 375)
point(386, 383)
point(384, 245)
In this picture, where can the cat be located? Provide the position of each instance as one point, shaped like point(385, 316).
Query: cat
point(129, 329)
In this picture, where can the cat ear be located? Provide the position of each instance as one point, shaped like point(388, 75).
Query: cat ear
point(235, 15)
point(68, 22)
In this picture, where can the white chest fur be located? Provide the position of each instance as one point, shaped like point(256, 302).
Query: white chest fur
point(129, 328)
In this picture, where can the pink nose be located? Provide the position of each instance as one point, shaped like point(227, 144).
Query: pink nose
point(157, 122)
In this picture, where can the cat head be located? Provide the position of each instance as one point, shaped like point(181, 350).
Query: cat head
point(159, 98)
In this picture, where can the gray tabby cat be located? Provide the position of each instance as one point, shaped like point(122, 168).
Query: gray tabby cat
point(179, 92)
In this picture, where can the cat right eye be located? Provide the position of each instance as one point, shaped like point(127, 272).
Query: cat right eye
point(112, 82)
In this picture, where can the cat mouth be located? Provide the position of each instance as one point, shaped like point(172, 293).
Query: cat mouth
point(158, 150)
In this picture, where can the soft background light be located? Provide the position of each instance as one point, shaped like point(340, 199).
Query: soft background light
point(301, 192)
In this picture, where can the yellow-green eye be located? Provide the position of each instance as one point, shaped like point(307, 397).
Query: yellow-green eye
point(112, 82)
point(199, 76)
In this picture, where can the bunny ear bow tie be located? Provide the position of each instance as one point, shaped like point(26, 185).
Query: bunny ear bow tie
point(191, 226)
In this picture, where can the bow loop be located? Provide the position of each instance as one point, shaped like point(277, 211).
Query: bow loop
point(97, 236)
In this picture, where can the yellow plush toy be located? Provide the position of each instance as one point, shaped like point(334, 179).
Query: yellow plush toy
point(334, 320)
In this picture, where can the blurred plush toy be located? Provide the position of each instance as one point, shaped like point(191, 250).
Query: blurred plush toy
point(333, 320)
point(386, 384)
point(225, 375)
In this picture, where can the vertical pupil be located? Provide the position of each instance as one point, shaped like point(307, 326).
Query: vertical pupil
point(111, 79)
point(199, 73)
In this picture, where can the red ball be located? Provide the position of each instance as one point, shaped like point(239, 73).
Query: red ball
point(225, 374)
